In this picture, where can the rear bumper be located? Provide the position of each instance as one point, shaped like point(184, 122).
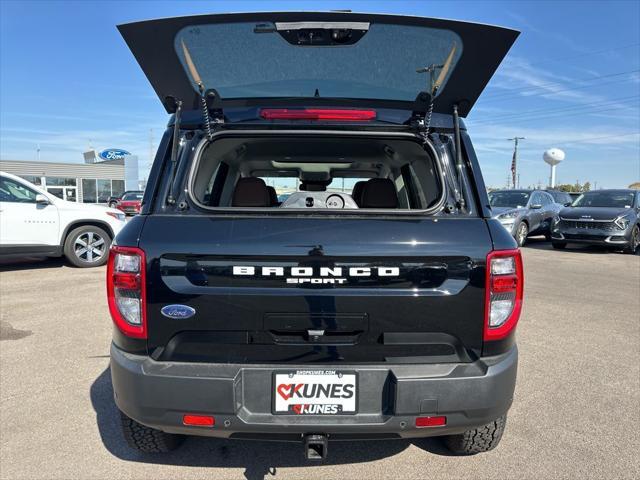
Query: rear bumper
point(158, 394)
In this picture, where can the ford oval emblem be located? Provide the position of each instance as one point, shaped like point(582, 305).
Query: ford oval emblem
point(178, 311)
point(113, 154)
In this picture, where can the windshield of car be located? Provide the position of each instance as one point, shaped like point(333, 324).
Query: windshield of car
point(560, 197)
point(12, 191)
point(244, 60)
point(132, 196)
point(509, 199)
point(605, 200)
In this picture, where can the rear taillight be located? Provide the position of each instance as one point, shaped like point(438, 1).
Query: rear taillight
point(126, 290)
point(337, 114)
point(504, 284)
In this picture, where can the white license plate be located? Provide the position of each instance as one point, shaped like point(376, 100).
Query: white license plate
point(314, 392)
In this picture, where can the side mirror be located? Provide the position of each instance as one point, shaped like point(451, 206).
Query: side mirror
point(42, 200)
point(568, 204)
point(535, 206)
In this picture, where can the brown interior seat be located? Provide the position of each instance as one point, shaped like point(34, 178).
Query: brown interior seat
point(251, 192)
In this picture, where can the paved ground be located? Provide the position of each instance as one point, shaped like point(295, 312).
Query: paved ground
point(576, 411)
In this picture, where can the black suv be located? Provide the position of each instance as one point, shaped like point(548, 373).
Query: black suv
point(379, 300)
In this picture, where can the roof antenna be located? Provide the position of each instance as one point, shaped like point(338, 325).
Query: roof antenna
point(436, 83)
point(317, 94)
point(198, 80)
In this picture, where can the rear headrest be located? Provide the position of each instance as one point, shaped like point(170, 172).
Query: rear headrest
point(379, 193)
point(356, 193)
point(251, 192)
point(273, 196)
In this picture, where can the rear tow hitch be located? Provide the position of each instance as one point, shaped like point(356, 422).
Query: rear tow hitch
point(315, 446)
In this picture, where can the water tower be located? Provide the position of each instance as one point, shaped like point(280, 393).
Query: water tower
point(553, 157)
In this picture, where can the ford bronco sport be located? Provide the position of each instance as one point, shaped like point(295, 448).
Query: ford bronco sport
point(378, 300)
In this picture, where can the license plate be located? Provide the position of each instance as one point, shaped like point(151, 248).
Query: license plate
point(315, 392)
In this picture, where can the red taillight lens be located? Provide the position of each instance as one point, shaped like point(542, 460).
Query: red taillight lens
point(504, 286)
point(199, 420)
point(422, 422)
point(126, 293)
point(342, 115)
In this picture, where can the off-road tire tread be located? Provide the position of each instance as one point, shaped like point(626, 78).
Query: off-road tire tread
point(478, 440)
point(147, 439)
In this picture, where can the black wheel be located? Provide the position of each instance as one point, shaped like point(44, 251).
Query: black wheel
point(87, 246)
point(147, 439)
point(112, 204)
point(478, 440)
point(634, 242)
point(558, 245)
point(522, 232)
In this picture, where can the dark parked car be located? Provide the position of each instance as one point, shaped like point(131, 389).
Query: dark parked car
point(600, 217)
point(113, 200)
point(322, 317)
point(561, 198)
point(524, 212)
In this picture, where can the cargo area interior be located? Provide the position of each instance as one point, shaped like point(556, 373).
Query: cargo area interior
point(316, 173)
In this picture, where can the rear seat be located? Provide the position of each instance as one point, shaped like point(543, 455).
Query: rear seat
point(379, 193)
point(251, 192)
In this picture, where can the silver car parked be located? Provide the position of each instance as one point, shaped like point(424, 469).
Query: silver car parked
point(524, 212)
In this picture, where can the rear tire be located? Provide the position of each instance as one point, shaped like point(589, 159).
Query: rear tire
point(558, 245)
point(147, 439)
point(87, 246)
point(522, 232)
point(477, 440)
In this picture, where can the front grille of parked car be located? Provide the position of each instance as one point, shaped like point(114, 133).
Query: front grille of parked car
point(580, 236)
point(607, 226)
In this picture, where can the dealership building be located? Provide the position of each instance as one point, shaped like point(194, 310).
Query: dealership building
point(91, 182)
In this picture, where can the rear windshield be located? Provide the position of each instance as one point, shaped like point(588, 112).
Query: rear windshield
point(285, 60)
point(316, 174)
point(605, 200)
point(509, 199)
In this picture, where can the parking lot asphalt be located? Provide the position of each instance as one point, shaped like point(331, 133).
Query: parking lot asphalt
point(576, 412)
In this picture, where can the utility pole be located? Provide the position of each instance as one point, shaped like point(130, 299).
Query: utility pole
point(514, 160)
point(518, 180)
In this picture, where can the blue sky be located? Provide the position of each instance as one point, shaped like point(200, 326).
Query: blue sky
point(572, 81)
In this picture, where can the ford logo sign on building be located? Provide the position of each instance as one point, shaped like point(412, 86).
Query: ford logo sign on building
point(177, 311)
point(113, 154)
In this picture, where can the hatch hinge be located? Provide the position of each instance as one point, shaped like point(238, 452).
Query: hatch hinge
point(422, 113)
point(212, 113)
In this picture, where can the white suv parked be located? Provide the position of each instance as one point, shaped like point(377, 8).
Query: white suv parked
point(34, 222)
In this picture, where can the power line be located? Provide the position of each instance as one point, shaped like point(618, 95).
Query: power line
point(532, 91)
point(544, 111)
point(589, 140)
point(562, 114)
point(587, 54)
